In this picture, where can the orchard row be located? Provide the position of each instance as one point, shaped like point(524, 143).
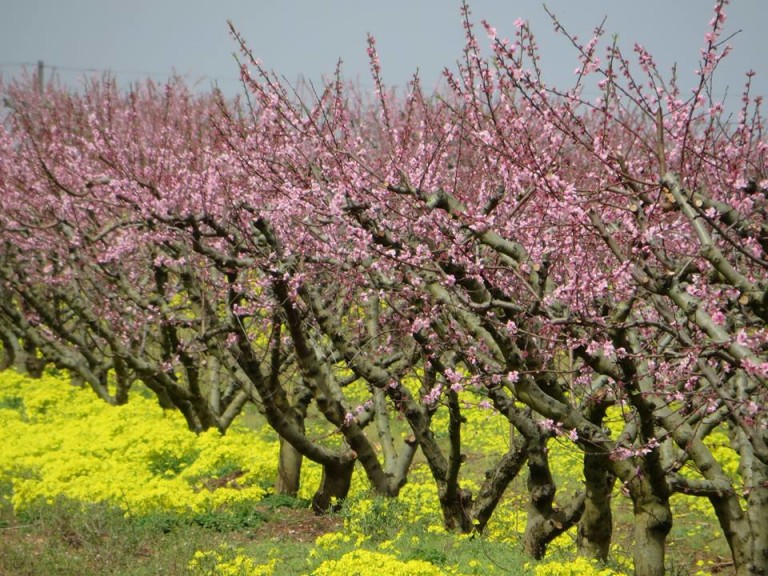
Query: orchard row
point(374, 257)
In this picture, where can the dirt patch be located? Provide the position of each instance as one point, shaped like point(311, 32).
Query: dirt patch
point(299, 525)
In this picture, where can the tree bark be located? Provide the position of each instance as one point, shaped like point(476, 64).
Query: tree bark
point(653, 521)
point(545, 522)
point(735, 521)
point(593, 538)
point(736, 530)
point(10, 345)
point(334, 487)
point(123, 382)
point(456, 505)
point(290, 460)
point(496, 481)
point(757, 511)
point(288, 470)
point(33, 365)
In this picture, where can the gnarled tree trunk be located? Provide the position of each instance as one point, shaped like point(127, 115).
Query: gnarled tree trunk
point(334, 487)
point(290, 460)
point(593, 538)
point(757, 509)
point(496, 481)
point(653, 521)
point(545, 522)
point(456, 504)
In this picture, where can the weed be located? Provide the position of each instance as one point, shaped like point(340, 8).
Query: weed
point(428, 554)
point(238, 516)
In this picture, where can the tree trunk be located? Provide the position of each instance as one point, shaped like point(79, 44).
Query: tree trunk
point(593, 538)
point(33, 365)
point(123, 382)
point(746, 530)
point(653, 521)
point(288, 470)
point(334, 485)
point(290, 460)
point(757, 511)
point(736, 529)
point(496, 481)
point(10, 345)
point(456, 505)
point(545, 522)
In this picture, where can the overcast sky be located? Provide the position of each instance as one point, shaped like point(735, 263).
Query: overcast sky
point(138, 38)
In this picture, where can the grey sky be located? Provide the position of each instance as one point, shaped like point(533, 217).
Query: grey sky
point(305, 38)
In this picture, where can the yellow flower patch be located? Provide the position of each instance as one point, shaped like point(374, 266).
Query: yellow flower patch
point(60, 440)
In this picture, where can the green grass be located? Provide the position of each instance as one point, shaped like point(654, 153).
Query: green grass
point(64, 539)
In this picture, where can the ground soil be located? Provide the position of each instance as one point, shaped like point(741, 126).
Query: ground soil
point(299, 525)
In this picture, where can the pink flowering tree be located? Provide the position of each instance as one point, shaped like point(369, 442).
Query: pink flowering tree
point(134, 254)
point(606, 252)
point(333, 210)
point(569, 254)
